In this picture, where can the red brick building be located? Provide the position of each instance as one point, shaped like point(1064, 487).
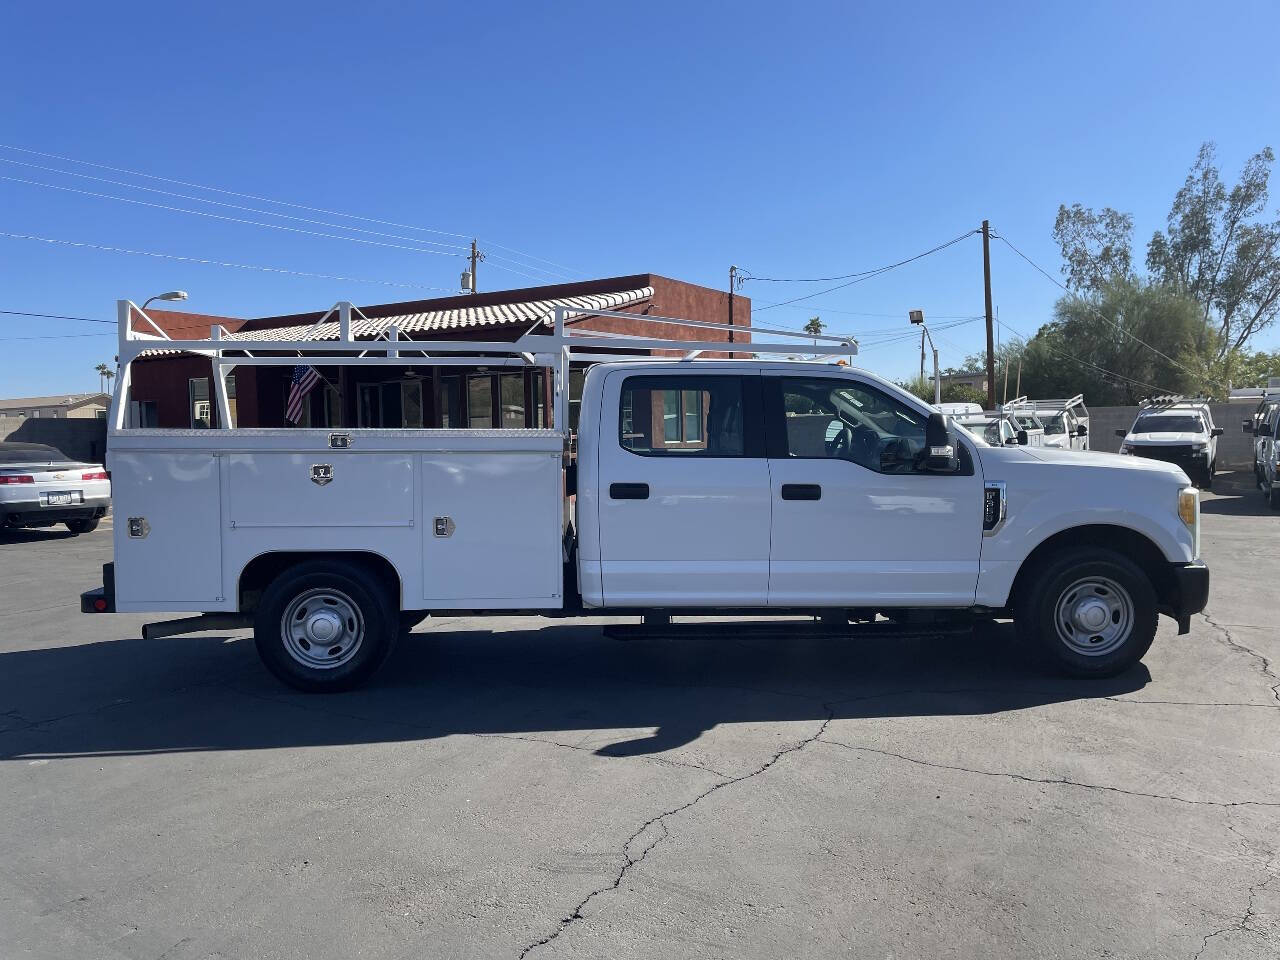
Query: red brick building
point(175, 391)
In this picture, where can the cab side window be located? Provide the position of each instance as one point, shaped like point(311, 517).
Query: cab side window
point(826, 418)
point(686, 416)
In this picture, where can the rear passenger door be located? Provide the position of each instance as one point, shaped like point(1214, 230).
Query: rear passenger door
point(684, 491)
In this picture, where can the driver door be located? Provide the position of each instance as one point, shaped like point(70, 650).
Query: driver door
point(856, 521)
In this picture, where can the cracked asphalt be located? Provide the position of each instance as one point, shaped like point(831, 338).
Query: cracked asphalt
point(526, 788)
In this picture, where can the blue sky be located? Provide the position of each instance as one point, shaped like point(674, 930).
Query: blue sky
point(795, 140)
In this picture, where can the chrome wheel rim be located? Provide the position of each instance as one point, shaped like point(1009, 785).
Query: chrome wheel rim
point(322, 628)
point(1094, 616)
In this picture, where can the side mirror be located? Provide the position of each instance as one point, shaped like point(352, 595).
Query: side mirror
point(1082, 431)
point(940, 448)
point(1023, 440)
point(1248, 427)
point(1215, 432)
point(1122, 434)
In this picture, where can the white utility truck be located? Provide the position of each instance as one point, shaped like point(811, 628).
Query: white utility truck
point(1065, 422)
point(701, 487)
point(1176, 430)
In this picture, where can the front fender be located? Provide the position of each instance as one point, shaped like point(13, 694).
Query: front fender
point(1047, 498)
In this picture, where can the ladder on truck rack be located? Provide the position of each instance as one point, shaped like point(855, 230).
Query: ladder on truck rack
point(548, 343)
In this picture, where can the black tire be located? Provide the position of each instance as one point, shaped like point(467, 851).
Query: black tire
point(82, 526)
point(1121, 642)
point(344, 599)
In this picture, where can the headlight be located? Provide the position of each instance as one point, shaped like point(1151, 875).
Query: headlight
point(1189, 513)
point(1200, 447)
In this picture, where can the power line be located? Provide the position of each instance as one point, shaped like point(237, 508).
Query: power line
point(868, 274)
point(1102, 316)
point(61, 336)
point(218, 216)
point(250, 196)
point(52, 316)
point(232, 206)
point(218, 263)
point(1087, 363)
point(885, 316)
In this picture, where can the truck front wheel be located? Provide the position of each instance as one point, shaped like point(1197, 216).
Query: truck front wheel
point(1089, 612)
point(324, 626)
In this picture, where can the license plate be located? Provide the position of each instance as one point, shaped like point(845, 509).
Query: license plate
point(58, 499)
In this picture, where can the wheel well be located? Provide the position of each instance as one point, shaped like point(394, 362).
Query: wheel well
point(1122, 540)
point(265, 567)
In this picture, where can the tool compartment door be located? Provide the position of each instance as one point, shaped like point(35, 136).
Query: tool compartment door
point(492, 523)
point(171, 500)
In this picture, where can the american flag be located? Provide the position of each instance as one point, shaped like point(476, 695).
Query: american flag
point(304, 378)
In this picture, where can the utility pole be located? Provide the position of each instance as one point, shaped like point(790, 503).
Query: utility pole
point(733, 282)
point(469, 278)
point(986, 284)
point(922, 353)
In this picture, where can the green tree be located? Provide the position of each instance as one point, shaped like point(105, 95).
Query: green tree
point(1217, 249)
point(1093, 333)
point(961, 393)
point(1096, 247)
point(101, 370)
point(814, 328)
point(1254, 368)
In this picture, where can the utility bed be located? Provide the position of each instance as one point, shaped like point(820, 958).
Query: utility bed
point(194, 508)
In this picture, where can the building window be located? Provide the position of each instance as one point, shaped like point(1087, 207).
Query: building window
point(451, 401)
point(511, 390)
point(411, 403)
point(480, 402)
point(681, 416)
point(201, 408)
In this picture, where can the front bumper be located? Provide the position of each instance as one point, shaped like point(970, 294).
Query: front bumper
point(1191, 592)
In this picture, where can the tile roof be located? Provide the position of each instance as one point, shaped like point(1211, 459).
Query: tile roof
point(526, 312)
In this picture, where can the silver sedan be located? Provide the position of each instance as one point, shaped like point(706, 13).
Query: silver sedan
point(40, 487)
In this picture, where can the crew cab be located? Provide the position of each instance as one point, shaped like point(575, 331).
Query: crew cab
point(700, 487)
point(1176, 431)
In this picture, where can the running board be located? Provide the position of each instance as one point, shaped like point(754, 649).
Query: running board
point(784, 630)
point(206, 621)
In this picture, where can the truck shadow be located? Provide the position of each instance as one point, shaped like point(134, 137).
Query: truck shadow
point(553, 681)
point(1236, 495)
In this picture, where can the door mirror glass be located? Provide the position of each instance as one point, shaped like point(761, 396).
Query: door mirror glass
point(1122, 434)
point(1216, 432)
point(1023, 440)
point(1248, 426)
point(1082, 431)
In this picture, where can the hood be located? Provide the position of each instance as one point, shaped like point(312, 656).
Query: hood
point(1165, 438)
point(1093, 460)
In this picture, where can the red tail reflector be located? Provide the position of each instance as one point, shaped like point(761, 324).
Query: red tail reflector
point(100, 605)
point(17, 478)
point(94, 475)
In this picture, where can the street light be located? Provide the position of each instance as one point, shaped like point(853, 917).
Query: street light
point(917, 316)
point(171, 295)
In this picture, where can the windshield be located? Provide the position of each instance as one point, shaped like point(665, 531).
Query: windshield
point(1168, 423)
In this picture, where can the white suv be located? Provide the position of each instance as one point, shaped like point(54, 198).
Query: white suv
point(1178, 432)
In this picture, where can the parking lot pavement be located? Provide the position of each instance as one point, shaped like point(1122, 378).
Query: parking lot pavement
point(511, 788)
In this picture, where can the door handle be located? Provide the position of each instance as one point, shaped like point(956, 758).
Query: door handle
point(801, 491)
point(629, 491)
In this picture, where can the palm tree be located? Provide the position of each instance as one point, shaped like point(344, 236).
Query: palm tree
point(103, 371)
point(109, 376)
point(814, 327)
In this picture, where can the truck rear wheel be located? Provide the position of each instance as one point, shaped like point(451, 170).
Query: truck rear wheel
point(324, 626)
point(1090, 613)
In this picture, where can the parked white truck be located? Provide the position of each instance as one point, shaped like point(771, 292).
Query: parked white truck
point(703, 487)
